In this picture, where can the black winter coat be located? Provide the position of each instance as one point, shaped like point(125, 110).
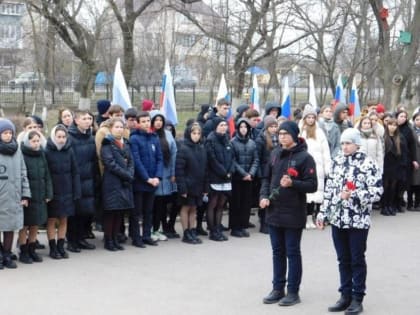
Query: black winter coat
point(246, 154)
point(263, 153)
point(65, 178)
point(84, 148)
point(191, 169)
point(40, 184)
point(220, 158)
point(396, 166)
point(117, 188)
point(288, 206)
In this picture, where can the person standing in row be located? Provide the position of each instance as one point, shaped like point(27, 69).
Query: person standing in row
point(319, 149)
point(14, 191)
point(83, 145)
point(191, 172)
point(353, 185)
point(66, 188)
point(289, 175)
point(221, 165)
point(148, 162)
point(117, 188)
point(167, 185)
point(35, 213)
point(246, 167)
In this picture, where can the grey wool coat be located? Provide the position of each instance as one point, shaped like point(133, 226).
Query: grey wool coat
point(14, 186)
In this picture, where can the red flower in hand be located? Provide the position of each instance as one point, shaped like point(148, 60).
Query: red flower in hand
point(350, 186)
point(292, 172)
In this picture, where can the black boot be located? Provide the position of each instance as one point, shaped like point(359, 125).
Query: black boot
point(60, 248)
point(35, 257)
point(273, 297)
point(24, 255)
point(195, 236)
point(201, 231)
point(110, 245)
point(54, 254)
point(117, 244)
point(386, 211)
point(341, 305)
point(7, 261)
point(188, 238)
point(355, 307)
point(290, 299)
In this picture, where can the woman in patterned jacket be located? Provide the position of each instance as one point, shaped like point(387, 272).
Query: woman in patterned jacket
point(353, 185)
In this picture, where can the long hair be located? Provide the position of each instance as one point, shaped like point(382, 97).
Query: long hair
point(310, 130)
point(391, 141)
point(164, 145)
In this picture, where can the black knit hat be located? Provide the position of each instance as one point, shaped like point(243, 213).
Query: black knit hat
point(216, 121)
point(292, 128)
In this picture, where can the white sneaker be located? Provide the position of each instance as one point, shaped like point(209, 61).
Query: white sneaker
point(155, 236)
point(309, 223)
point(161, 236)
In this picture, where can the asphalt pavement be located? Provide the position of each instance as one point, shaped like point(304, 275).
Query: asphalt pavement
point(215, 278)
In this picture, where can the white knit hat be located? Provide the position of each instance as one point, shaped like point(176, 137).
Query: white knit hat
point(351, 135)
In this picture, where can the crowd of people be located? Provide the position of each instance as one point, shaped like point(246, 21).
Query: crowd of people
point(131, 164)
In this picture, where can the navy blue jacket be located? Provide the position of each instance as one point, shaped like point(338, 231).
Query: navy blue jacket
point(147, 156)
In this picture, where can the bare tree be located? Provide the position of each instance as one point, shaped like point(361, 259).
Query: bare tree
point(126, 17)
point(79, 36)
point(244, 36)
point(395, 67)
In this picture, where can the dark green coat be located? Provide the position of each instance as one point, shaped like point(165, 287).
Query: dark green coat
point(40, 184)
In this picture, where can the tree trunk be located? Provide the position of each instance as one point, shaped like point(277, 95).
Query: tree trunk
point(128, 62)
point(87, 71)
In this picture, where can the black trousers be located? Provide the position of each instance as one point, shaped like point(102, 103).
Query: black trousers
point(241, 203)
point(143, 206)
point(350, 245)
point(76, 227)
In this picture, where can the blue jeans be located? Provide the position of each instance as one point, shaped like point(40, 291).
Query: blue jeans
point(350, 245)
point(143, 206)
point(285, 244)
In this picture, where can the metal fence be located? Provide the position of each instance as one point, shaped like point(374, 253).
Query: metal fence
point(23, 97)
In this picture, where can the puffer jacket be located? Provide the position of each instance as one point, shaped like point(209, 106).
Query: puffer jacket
point(288, 205)
point(84, 148)
point(220, 158)
point(118, 175)
point(246, 154)
point(191, 167)
point(147, 156)
point(354, 213)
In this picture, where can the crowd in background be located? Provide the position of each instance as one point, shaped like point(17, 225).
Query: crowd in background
point(130, 166)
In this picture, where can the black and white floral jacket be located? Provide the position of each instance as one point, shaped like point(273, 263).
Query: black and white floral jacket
point(363, 173)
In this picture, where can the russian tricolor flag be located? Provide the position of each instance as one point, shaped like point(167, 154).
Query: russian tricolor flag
point(167, 97)
point(339, 92)
point(255, 97)
point(286, 105)
point(354, 101)
point(223, 93)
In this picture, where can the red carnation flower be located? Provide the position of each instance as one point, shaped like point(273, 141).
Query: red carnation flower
point(292, 172)
point(350, 186)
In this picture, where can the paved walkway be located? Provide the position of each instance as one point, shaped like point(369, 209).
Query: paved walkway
point(215, 278)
